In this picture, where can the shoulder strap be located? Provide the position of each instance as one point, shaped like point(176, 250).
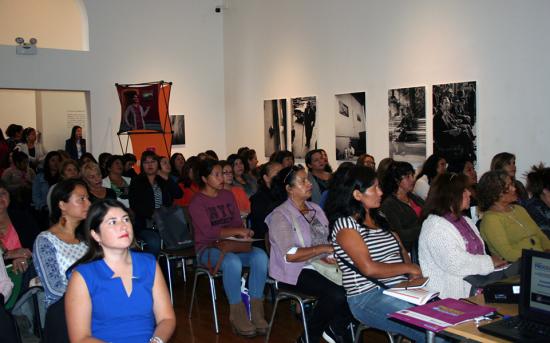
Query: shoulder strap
point(355, 269)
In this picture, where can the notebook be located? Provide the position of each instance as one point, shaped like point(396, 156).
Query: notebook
point(533, 322)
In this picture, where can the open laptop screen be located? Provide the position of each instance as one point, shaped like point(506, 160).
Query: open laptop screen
point(535, 286)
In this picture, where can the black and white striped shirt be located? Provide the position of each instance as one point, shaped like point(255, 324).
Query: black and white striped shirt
point(383, 247)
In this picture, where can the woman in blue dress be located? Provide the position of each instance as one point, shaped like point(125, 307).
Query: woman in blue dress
point(116, 294)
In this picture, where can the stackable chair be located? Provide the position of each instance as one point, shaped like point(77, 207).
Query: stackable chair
point(300, 298)
point(199, 271)
point(393, 338)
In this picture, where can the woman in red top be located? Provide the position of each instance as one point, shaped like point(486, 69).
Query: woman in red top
point(240, 195)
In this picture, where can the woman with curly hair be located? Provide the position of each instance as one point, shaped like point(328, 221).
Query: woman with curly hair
point(506, 227)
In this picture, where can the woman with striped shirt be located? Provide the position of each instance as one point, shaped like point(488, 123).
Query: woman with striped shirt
point(360, 237)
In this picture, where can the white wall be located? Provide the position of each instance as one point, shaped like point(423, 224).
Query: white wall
point(17, 107)
point(284, 48)
point(138, 41)
point(55, 23)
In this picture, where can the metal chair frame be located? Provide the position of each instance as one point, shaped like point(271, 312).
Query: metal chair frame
point(286, 295)
point(204, 271)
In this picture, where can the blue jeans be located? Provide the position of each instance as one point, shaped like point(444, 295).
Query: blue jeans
point(232, 265)
point(373, 307)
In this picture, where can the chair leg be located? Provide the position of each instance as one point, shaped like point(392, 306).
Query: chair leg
point(359, 333)
point(306, 334)
point(197, 274)
point(214, 309)
point(277, 299)
point(183, 270)
point(169, 278)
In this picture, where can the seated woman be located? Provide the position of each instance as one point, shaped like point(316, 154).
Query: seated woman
point(538, 184)
point(9, 239)
point(432, 167)
point(91, 174)
point(467, 168)
point(116, 181)
point(450, 247)
point(298, 235)
point(400, 206)
point(506, 227)
point(32, 147)
point(360, 237)
point(317, 174)
point(367, 161)
point(263, 202)
point(187, 184)
point(284, 157)
point(69, 169)
point(129, 162)
point(177, 162)
point(507, 162)
point(19, 178)
point(149, 191)
point(215, 215)
point(240, 177)
point(7, 327)
point(58, 248)
point(41, 185)
point(238, 192)
point(116, 294)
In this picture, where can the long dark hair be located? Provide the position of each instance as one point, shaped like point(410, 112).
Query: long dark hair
point(429, 168)
point(73, 132)
point(96, 215)
point(445, 195)
point(51, 176)
point(204, 169)
point(62, 192)
point(174, 170)
point(393, 176)
point(341, 203)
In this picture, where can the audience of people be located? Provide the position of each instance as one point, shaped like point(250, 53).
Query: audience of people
point(372, 224)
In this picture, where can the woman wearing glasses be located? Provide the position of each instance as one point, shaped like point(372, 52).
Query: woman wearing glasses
point(506, 227)
point(298, 234)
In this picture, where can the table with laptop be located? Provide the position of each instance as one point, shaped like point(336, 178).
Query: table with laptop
point(526, 321)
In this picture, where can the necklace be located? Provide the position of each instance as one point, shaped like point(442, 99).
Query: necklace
point(512, 217)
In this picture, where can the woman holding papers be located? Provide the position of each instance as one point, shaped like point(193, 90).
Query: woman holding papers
point(298, 234)
point(362, 240)
point(215, 215)
point(450, 246)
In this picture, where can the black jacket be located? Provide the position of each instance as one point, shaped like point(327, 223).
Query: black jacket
point(142, 199)
point(70, 148)
point(402, 219)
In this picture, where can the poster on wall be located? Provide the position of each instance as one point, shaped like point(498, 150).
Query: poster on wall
point(275, 126)
point(454, 120)
point(304, 129)
point(350, 126)
point(140, 108)
point(407, 124)
point(178, 128)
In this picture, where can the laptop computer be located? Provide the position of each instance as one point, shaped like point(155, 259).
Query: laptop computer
point(533, 322)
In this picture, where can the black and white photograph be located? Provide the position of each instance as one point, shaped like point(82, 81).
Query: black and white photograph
point(304, 128)
point(454, 121)
point(350, 126)
point(275, 126)
point(178, 128)
point(407, 124)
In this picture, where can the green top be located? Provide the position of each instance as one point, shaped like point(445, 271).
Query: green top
point(507, 233)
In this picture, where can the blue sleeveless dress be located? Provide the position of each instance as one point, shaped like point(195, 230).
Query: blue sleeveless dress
point(117, 317)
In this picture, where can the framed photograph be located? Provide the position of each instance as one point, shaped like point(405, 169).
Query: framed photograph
point(407, 124)
point(350, 131)
point(178, 126)
point(275, 126)
point(304, 125)
point(454, 121)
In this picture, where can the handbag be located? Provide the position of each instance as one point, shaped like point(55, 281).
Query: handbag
point(481, 281)
point(173, 228)
point(328, 270)
point(228, 245)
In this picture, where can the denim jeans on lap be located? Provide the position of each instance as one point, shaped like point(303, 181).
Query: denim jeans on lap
point(231, 267)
